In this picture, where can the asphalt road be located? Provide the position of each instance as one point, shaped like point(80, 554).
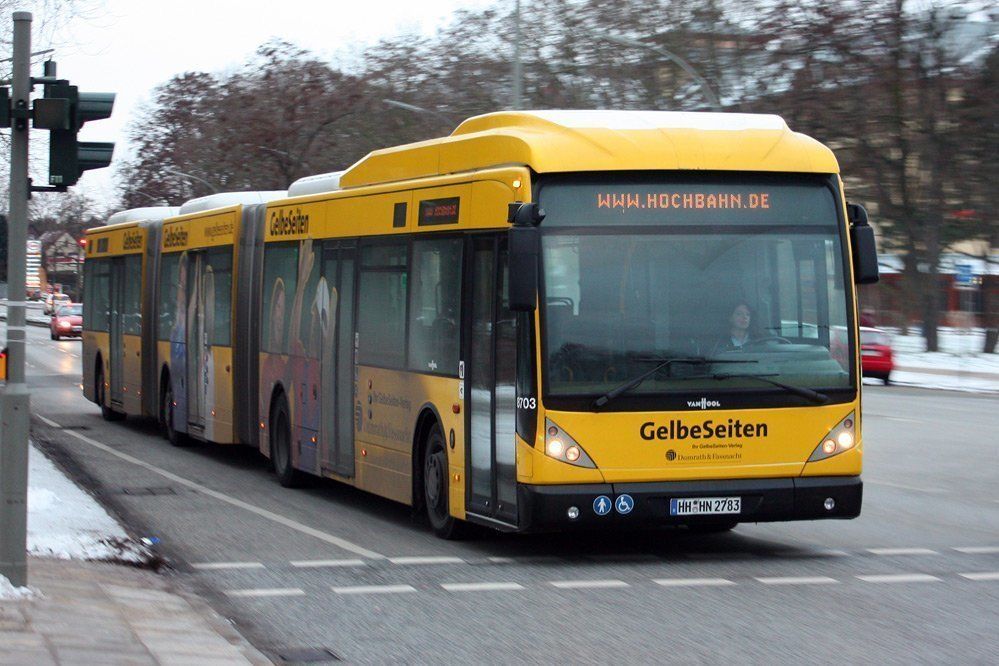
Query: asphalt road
point(914, 579)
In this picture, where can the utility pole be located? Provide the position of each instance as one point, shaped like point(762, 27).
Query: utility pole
point(14, 399)
point(518, 67)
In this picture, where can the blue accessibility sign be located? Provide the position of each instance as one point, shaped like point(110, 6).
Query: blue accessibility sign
point(602, 505)
point(624, 504)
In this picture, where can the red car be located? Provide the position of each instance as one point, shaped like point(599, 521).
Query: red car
point(875, 354)
point(67, 321)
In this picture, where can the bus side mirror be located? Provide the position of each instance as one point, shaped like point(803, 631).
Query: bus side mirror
point(525, 246)
point(865, 252)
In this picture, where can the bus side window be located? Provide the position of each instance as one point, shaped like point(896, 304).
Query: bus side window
point(434, 309)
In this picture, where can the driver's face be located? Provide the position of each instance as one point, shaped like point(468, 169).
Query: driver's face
point(740, 317)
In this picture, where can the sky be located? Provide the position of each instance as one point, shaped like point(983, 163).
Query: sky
point(131, 46)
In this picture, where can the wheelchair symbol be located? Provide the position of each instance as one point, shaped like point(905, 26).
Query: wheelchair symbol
point(624, 504)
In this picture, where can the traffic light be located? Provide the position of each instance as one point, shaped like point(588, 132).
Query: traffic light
point(63, 111)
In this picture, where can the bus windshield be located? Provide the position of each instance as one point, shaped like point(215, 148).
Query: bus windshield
point(729, 278)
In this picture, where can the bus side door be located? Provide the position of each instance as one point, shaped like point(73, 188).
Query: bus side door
point(336, 311)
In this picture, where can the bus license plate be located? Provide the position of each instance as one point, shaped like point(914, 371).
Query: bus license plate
point(704, 506)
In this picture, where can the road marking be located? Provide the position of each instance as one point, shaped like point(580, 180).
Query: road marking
point(902, 551)
point(213, 566)
point(692, 582)
point(268, 592)
point(797, 580)
point(480, 587)
point(900, 578)
point(374, 589)
point(501, 560)
point(427, 559)
point(263, 513)
point(315, 564)
point(583, 584)
point(984, 575)
point(902, 486)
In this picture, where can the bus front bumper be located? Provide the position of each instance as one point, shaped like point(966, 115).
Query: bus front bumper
point(544, 508)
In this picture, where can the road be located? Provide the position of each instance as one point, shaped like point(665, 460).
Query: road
point(914, 579)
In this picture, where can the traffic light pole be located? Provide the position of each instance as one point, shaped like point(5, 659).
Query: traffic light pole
point(14, 398)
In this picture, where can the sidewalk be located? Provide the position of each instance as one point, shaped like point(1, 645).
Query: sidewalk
point(98, 613)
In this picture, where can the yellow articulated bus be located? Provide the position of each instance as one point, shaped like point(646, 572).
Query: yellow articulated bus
point(554, 319)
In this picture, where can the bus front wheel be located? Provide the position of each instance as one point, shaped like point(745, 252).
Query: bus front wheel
point(435, 488)
point(280, 438)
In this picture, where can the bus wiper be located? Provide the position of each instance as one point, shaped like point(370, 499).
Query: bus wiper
point(806, 393)
point(662, 363)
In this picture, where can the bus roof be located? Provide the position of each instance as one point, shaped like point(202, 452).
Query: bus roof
point(223, 199)
point(567, 141)
point(148, 213)
point(318, 184)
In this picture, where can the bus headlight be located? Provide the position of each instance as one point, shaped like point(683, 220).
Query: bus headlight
point(561, 446)
point(840, 439)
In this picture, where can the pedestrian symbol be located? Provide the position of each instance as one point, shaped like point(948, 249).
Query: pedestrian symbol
point(602, 505)
point(624, 504)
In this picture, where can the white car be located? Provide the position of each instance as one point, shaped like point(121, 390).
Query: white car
point(53, 301)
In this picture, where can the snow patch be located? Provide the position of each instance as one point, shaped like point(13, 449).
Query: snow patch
point(10, 593)
point(66, 523)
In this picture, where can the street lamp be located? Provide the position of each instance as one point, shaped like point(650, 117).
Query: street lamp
point(418, 109)
point(706, 91)
point(176, 172)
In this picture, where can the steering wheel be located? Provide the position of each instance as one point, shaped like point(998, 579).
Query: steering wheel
point(770, 338)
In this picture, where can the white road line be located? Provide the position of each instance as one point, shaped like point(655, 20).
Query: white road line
point(902, 551)
point(427, 559)
point(315, 564)
point(692, 582)
point(983, 575)
point(797, 580)
point(584, 584)
point(501, 560)
point(977, 550)
point(900, 578)
point(902, 486)
point(263, 513)
point(374, 589)
point(480, 587)
point(268, 592)
point(213, 566)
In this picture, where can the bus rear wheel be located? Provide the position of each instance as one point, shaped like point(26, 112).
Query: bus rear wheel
point(166, 411)
point(107, 413)
point(435, 488)
point(280, 440)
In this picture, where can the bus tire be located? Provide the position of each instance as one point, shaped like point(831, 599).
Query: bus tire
point(107, 413)
point(280, 441)
point(166, 410)
point(435, 487)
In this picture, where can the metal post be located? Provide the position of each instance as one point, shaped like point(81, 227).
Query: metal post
point(14, 419)
point(518, 69)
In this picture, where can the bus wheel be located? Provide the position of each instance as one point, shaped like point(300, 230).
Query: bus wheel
point(106, 412)
point(435, 488)
point(287, 475)
point(166, 410)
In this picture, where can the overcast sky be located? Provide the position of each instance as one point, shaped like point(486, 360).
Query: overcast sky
point(130, 46)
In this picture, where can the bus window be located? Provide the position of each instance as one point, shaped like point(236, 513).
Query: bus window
point(381, 323)
point(100, 298)
point(280, 277)
point(132, 306)
point(168, 294)
point(220, 266)
point(434, 308)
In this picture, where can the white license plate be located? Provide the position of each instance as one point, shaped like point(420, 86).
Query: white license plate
point(704, 506)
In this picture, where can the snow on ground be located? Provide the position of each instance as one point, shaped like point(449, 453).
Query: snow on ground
point(67, 523)
point(959, 365)
point(10, 593)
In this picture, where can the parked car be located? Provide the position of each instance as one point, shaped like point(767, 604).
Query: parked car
point(875, 354)
point(53, 301)
point(67, 321)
